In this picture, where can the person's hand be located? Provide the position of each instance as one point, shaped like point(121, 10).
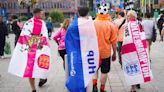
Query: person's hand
point(161, 40)
point(7, 36)
point(114, 57)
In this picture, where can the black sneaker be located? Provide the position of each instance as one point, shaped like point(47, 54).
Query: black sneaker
point(42, 82)
point(138, 86)
point(34, 91)
point(103, 91)
point(133, 91)
point(95, 89)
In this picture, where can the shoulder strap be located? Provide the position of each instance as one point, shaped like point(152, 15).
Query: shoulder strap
point(121, 24)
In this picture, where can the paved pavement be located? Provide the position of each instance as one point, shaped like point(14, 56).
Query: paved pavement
point(56, 79)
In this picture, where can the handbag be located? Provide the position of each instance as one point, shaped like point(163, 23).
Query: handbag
point(7, 48)
point(162, 33)
point(154, 35)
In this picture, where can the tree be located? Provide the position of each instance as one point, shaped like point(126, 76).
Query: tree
point(28, 4)
point(57, 15)
point(23, 18)
point(92, 13)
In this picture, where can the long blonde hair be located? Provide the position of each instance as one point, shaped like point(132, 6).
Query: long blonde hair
point(66, 23)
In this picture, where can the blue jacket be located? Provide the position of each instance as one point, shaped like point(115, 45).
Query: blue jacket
point(49, 25)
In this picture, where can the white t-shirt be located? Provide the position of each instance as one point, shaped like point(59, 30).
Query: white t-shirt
point(148, 27)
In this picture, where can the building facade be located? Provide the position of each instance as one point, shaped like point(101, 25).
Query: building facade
point(67, 6)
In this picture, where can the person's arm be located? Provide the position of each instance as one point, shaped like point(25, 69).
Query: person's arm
point(6, 29)
point(56, 35)
point(114, 52)
point(16, 28)
point(115, 23)
point(158, 24)
point(45, 31)
point(162, 33)
point(113, 41)
point(52, 25)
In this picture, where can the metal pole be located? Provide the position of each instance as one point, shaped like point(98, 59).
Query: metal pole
point(66, 66)
point(145, 8)
point(28, 11)
point(66, 70)
point(76, 4)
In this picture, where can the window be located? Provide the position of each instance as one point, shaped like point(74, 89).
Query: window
point(4, 4)
point(81, 2)
point(155, 1)
point(60, 5)
point(15, 6)
point(11, 5)
point(64, 5)
point(46, 5)
point(54, 5)
point(38, 5)
point(32, 6)
point(23, 7)
point(8, 5)
point(51, 4)
point(42, 5)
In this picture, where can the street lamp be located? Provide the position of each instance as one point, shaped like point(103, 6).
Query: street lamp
point(28, 4)
point(3, 9)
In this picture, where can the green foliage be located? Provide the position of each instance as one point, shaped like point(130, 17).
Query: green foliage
point(23, 18)
point(92, 13)
point(56, 15)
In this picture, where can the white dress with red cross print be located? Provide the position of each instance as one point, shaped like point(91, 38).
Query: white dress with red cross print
point(135, 57)
point(31, 56)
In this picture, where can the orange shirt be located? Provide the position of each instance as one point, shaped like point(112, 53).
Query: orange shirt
point(120, 32)
point(106, 33)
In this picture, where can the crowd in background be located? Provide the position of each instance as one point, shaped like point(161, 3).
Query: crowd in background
point(150, 27)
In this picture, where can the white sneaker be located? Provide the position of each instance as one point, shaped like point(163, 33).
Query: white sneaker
point(2, 57)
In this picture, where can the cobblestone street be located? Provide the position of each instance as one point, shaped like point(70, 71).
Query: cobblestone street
point(56, 79)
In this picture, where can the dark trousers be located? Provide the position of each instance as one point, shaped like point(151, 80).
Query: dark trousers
point(49, 33)
point(62, 54)
point(16, 39)
point(119, 48)
point(2, 45)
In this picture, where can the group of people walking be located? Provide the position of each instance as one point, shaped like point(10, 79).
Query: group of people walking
point(14, 26)
point(33, 47)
